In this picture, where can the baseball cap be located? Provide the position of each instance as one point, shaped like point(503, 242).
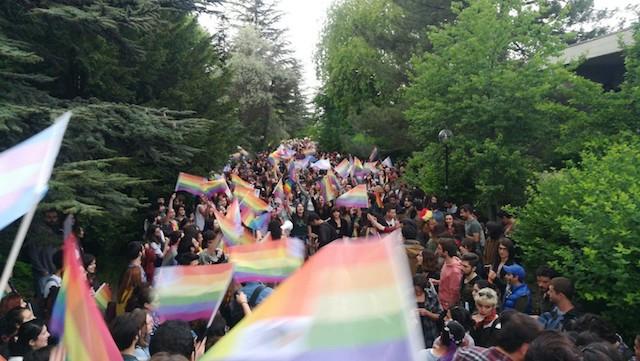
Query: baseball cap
point(516, 270)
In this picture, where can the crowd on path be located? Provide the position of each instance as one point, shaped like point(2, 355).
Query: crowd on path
point(472, 298)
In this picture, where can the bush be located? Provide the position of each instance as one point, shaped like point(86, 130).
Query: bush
point(585, 221)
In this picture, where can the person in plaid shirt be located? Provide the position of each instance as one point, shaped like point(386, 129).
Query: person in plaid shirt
point(428, 307)
point(516, 331)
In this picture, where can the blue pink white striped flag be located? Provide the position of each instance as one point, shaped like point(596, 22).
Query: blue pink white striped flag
point(26, 169)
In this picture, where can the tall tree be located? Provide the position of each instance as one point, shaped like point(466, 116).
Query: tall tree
point(488, 79)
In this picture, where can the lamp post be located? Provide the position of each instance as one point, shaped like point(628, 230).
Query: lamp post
point(444, 136)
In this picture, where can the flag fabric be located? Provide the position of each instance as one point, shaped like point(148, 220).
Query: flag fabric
point(240, 183)
point(233, 232)
point(260, 222)
point(355, 198)
point(374, 154)
point(351, 301)
point(344, 168)
point(270, 261)
point(248, 198)
point(288, 186)
point(191, 292)
point(218, 185)
point(357, 169)
point(293, 175)
point(379, 200)
point(334, 180)
point(103, 296)
point(278, 191)
point(322, 164)
point(387, 162)
point(76, 318)
point(371, 167)
point(190, 183)
point(328, 189)
point(26, 169)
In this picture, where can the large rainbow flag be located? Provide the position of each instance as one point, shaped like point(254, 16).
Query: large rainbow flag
point(215, 186)
point(270, 261)
point(344, 168)
point(248, 198)
point(191, 292)
point(351, 301)
point(76, 318)
point(25, 170)
point(355, 198)
point(190, 183)
point(240, 183)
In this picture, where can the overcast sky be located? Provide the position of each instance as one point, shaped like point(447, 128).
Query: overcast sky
point(305, 18)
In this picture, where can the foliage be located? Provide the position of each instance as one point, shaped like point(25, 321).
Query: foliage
point(584, 221)
point(489, 80)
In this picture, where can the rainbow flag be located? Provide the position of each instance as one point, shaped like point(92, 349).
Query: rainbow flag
point(357, 170)
point(278, 191)
point(371, 167)
point(271, 261)
point(344, 168)
point(327, 189)
point(260, 222)
point(240, 183)
point(355, 198)
point(103, 296)
point(334, 181)
point(191, 292)
point(288, 186)
point(231, 225)
point(293, 174)
point(374, 154)
point(248, 198)
point(26, 169)
point(218, 185)
point(76, 318)
point(351, 301)
point(190, 183)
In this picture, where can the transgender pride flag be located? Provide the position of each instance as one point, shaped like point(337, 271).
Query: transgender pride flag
point(25, 170)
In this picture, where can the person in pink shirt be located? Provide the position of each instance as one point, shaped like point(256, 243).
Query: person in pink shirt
point(450, 275)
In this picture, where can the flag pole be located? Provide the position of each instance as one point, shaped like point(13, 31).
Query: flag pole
point(15, 248)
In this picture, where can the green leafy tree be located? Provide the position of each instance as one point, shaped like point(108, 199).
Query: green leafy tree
point(584, 221)
point(488, 78)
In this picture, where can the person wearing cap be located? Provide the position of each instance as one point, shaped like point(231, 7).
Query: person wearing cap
point(517, 295)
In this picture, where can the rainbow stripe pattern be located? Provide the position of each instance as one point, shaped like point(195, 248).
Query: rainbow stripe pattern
point(270, 261)
point(191, 292)
point(355, 198)
point(190, 183)
point(358, 169)
point(75, 317)
point(248, 198)
point(240, 183)
point(344, 168)
point(328, 189)
point(218, 185)
point(233, 232)
point(278, 191)
point(103, 296)
point(352, 301)
point(26, 169)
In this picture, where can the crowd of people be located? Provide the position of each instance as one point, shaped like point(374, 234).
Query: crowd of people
point(473, 301)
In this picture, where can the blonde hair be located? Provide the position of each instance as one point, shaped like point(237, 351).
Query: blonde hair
point(486, 297)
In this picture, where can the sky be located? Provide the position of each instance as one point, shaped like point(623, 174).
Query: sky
point(305, 19)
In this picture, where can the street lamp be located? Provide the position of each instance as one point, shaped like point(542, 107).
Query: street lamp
point(444, 136)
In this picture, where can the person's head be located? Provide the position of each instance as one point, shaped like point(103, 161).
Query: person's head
point(181, 211)
point(420, 283)
point(145, 325)
point(409, 229)
point(300, 209)
point(552, 346)
point(452, 335)
point(89, 263)
point(461, 315)
point(468, 245)
point(131, 279)
point(275, 229)
point(506, 249)
point(134, 251)
point(173, 337)
point(560, 289)
point(466, 211)
point(469, 263)
point(336, 213)
point(165, 356)
point(480, 284)
point(597, 325)
point(141, 297)
point(314, 219)
point(600, 351)
point(447, 248)
point(51, 217)
point(211, 239)
point(486, 300)
point(448, 220)
point(544, 275)
point(504, 216)
point(429, 260)
point(125, 330)
point(494, 230)
point(514, 274)
point(32, 335)
point(10, 301)
point(389, 211)
point(187, 259)
point(516, 332)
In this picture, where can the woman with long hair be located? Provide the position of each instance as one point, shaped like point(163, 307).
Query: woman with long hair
point(506, 252)
point(32, 335)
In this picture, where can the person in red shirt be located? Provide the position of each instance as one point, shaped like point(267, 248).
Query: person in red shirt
point(450, 275)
